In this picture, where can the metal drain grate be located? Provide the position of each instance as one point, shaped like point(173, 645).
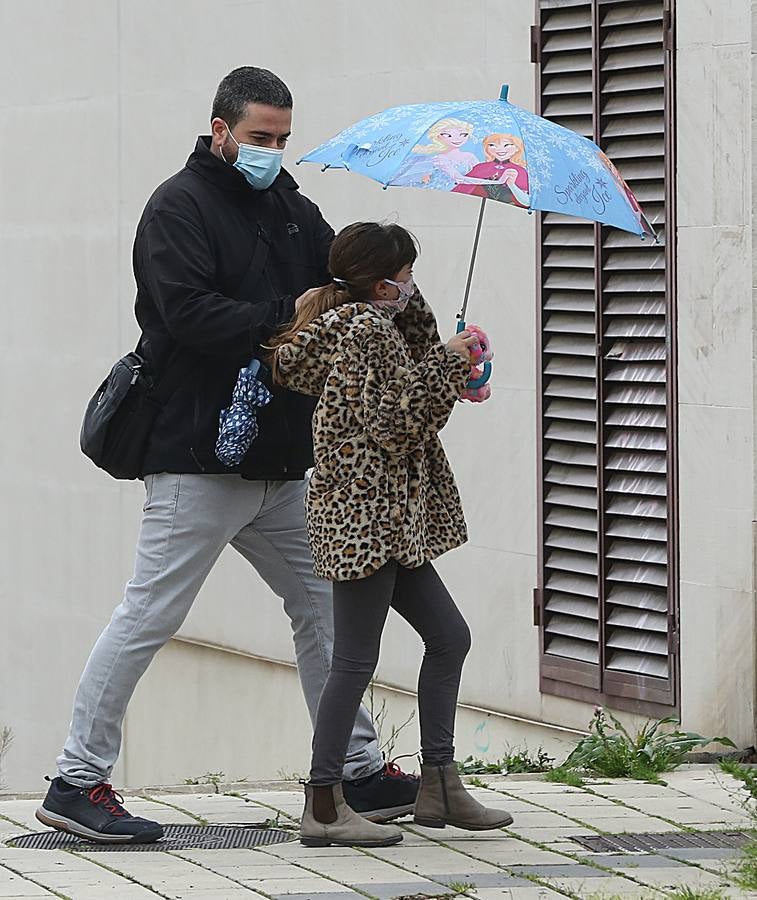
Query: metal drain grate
point(176, 837)
point(675, 840)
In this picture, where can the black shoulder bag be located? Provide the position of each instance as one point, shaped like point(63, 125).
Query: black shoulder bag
point(119, 418)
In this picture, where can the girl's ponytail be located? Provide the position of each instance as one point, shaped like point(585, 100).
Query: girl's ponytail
point(317, 302)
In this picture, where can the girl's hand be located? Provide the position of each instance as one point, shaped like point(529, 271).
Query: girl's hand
point(461, 344)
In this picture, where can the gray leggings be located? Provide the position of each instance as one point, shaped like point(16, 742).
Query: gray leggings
point(360, 610)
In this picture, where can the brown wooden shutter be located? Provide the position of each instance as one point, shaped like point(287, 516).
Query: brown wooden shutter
point(606, 602)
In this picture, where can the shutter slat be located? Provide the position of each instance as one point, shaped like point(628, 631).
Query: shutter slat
point(570, 583)
point(639, 80)
point(571, 455)
point(573, 650)
point(572, 627)
point(575, 388)
point(579, 432)
point(620, 305)
point(645, 529)
point(572, 496)
point(572, 518)
point(620, 126)
point(638, 619)
point(573, 83)
point(620, 104)
point(637, 462)
point(630, 13)
point(652, 373)
point(636, 440)
point(638, 598)
point(579, 476)
point(573, 606)
point(638, 574)
point(651, 485)
point(572, 366)
point(640, 664)
point(637, 351)
point(643, 395)
point(638, 551)
point(628, 639)
point(567, 323)
point(635, 58)
point(630, 417)
point(574, 345)
point(564, 539)
point(639, 507)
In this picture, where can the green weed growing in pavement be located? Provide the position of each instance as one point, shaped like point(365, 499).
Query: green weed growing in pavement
point(611, 751)
point(693, 893)
point(514, 762)
point(213, 778)
point(563, 775)
point(682, 893)
point(746, 872)
point(747, 774)
point(460, 887)
point(476, 782)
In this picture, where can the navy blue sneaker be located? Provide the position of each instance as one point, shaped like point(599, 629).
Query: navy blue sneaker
point(94, 814)
point(386, 795)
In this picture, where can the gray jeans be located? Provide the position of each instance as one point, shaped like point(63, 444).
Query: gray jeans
point(187, 522)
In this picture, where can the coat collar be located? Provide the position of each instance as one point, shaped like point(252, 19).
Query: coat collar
point(226, 177)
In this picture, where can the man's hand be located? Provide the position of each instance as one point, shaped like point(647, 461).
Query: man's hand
point(461, 344)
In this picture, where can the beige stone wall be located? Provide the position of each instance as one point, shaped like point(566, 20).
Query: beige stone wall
point(716, 369)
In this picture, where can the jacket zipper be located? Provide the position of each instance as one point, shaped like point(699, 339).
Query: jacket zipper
point(195, 426)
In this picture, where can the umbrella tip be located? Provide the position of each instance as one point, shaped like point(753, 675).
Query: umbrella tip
point(504, 92)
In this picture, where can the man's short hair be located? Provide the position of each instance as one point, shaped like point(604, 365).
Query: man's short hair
point(248, 84)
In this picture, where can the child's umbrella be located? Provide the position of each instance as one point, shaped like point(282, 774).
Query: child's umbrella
point(492, 150)
point(238, 424)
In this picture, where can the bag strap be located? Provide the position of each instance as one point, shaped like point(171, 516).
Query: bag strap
point(175, 374)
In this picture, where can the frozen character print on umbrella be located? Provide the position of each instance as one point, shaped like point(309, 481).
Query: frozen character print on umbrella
point(440, 163)
point(621, 183)
point(503, 176)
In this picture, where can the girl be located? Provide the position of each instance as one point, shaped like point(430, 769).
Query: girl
point(440, 163)
point(381, 504)
point(503, 176)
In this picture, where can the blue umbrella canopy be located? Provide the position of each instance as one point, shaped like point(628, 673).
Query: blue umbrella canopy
point(491, 149)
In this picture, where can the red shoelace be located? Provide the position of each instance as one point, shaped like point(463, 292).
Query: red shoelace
point(392, 770)
point(104, 795)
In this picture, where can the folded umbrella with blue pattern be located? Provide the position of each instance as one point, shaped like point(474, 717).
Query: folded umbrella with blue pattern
point(238, 425)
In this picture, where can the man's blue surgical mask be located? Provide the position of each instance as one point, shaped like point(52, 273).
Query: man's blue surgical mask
point(259, 165)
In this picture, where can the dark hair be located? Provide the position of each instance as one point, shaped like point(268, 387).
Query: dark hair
point(248, 84)
point(361, 254)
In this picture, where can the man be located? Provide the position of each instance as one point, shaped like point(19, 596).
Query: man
point(221, 251)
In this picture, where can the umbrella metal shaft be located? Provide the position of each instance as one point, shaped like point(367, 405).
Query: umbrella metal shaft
point(473, 260)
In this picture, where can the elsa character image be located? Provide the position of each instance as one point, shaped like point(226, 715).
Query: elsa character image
point(503, 176)
point(440, 163)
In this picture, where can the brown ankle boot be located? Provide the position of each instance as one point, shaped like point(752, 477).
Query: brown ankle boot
point(443, 800)
point(328, 820)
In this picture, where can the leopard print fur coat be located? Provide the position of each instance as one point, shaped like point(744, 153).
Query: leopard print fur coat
point(382, 487)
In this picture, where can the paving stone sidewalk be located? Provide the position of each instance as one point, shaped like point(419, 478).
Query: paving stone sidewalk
point(537, 857)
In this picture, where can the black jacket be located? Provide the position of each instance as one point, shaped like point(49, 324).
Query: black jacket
point(194, 245)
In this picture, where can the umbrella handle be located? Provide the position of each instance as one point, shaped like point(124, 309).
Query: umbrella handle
point(474, 383)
